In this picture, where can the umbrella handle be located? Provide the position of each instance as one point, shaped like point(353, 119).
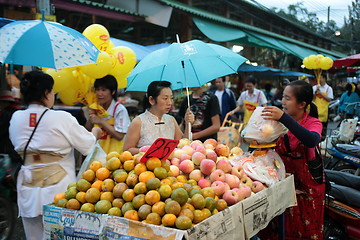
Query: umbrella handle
point(189, 132)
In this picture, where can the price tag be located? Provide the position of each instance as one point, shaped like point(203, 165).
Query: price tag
point(160, 149)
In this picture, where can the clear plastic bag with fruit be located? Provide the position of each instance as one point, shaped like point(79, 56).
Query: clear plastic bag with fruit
point(262, 131)
point(97, 154)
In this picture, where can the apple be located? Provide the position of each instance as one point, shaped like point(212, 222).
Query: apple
point(178, 152)
point(196, 175)
point(236, 151)
point(247, 181)
point(209, 146)
point(203, 183)
point(245, 189)
point(195, 143)
point(212, 156)
point(232, 180)
point(186, 166)
point(222, 150)
point(224, 165)
point(231, 197)
point(238, 171)
point(184, 156)
point(183, 142)
point(207, 166)
point(188, 150)
point(144, 148)
point(257, 186)
point(240, 193)
point(211, 141)
point(219, 187)
point(227, 187)
point(175, 161)
point(174, 170)
point(217, 175)
point(197, 158)
point(200, 148)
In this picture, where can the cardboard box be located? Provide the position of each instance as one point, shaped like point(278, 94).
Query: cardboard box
point(240, 221)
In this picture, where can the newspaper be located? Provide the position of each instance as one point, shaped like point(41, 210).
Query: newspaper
point(265, 205)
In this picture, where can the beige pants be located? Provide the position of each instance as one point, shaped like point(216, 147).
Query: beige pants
point(33, 227)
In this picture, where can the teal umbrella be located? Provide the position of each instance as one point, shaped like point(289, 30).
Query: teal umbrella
point(189, 64)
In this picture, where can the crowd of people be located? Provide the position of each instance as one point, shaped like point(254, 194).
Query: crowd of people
point(44, 139)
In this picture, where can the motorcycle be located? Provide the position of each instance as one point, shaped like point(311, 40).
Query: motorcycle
point(7, 207)
point(342, 212)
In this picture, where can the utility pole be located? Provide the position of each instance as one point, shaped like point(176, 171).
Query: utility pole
point(45, 5)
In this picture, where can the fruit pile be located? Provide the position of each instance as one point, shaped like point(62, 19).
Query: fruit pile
point(195, 182)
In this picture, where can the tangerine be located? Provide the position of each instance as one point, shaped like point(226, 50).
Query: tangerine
point(92, 195)
point(59, 196)
point(144, 210)
point(128, 195)
point(153, 163)
point(108, 185)
point(113, 163)
point(118, 202)
point(173, 207)
point(97, 184)
point(159, 208)
point(140, 168)
point(183, 222)
point(95, 165)
point(102, 173)
point(107, 196)
point(114, 211)
point(73, 204)
point(129, 165)
point(88, 175)
point(102, 206)
point(138, 201)
point(153, 218)
point(62, 202)
point(145, 176)
point(152, 197)
point(187, 212)
point(168, 220)
point(113, 154)
point(87, 207)
point(126, 155)
point(80, 196)
point(132, 214)
point(83, 185)
point(120, 175)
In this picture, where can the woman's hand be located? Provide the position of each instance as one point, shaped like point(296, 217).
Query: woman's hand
point(189, 116)
point(272, 113)
point(95, 119)
point(97, 132)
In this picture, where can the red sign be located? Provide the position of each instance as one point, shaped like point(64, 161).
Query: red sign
point(32, 120)
point(160, 149)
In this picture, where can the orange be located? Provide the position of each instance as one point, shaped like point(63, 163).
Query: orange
point(102, 173)
point(182, 178)
point(95, 165)
point(128, 195)
point(159, 208)
point(120, 175)
point(153, 218)
point(165, 191)
point(118, 202)
point(87, 207)
point(188, 206)
point(183, 223)
point(88, 175)
point(187, 212)
point(92, 195)
point(153, 163)
point(177, 185)
point(140, 168)
point(59, 196)
point(129, 165)
point(73, 204)
point(114, 211)
point(132, 214)
point(80, 196)
point(107, 185)
point(113, 163)
point(152, 197)
point(102, 206)
point(168, 220)
point(62, 202)
point(97, 184)
point(138, 201)
point(83, 185)
point(113, 154)
point(107, 196)
point(126, 155)
point(166, 181)
point(173, 207)
point(145, 176)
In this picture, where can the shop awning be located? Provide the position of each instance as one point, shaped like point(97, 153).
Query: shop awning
point(221, 33)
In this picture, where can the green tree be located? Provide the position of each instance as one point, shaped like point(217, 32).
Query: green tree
point(350, 32)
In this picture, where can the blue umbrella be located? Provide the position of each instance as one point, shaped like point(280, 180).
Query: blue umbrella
point(45, 44)
point(140, 51)
point(189, 64)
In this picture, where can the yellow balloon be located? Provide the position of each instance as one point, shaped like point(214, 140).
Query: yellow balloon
point(72, 94)
point(123, 59)
point(98, 35)
point(121, 81)
point(326, 63)
point(311, 62)
point(110, 46)
point(306, 62)
point(62, 78)
point(84, 83)
point(101, 68)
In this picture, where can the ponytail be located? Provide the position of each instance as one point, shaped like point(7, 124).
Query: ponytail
point(153, 91)
point(313, 110)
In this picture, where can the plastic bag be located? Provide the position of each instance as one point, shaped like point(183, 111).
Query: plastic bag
point(347, 129)
point(268, 168)
point(97, 154)
point(262, 131)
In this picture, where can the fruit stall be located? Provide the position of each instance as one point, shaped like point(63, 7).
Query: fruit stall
point(172, 190)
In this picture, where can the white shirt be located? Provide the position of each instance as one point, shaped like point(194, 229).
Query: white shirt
point(122, 120)
point(257, 97)
point(326, 88)
point(58, 132)
point(219, 94)
point(150, 130)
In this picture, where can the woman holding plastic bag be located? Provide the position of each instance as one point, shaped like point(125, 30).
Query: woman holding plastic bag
point(46, 140)
point(297, 149)
point(111, 116)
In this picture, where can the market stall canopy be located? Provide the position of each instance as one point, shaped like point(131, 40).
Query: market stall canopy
point(251, 68)
point(353, 60)
point(292, 74)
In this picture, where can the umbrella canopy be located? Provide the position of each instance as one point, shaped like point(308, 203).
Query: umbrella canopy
point(45, 44)
point(140, 51)
point(293, 74)
point(251, 68)
point(353, 60)
point(189, 64)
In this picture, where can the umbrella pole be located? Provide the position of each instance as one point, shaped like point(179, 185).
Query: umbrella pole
point(188, 100)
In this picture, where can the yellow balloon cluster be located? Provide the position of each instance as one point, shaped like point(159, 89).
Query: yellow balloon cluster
point(318, 63)
point(75, 84)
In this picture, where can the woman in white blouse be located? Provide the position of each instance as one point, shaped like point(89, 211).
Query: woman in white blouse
point(154, 123)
